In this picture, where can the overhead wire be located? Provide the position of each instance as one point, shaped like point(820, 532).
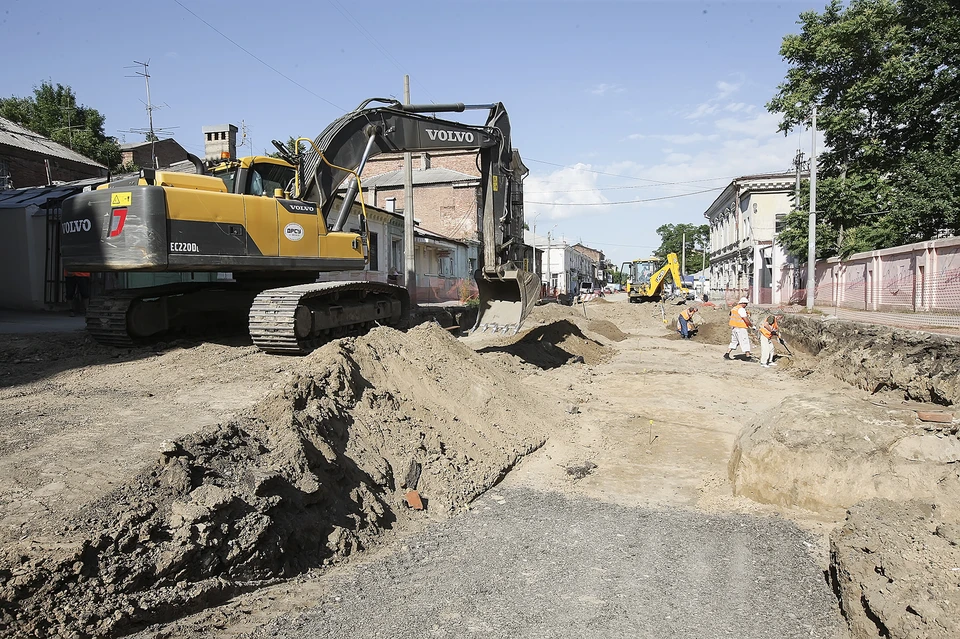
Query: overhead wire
point(628, 177)
point(258, 59)
point(652, 199)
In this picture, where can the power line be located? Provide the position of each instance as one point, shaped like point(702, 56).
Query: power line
point(614, 188)
point(627, 177)
point(652, 199)
point(272, 68)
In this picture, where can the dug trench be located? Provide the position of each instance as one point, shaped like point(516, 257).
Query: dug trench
point(881, 463)
point(312, 473)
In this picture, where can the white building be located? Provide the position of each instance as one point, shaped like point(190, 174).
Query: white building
point(562, 266)
point(744, 256)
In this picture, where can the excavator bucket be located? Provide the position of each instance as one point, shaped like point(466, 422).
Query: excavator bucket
point(506, 300)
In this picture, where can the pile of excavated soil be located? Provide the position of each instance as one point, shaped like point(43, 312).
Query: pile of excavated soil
point(313, 472)
point(551, 346)
point(608, 329)
point(895, 566)
point(922, 366)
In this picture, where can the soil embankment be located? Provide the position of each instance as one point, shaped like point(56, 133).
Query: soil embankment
point(311, 473)
point(923, 366)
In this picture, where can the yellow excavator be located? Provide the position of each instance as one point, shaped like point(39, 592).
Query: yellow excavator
point(645, 278)
point(278, 224)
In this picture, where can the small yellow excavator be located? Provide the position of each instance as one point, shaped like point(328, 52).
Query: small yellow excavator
point(278, 224)
point(645, 280)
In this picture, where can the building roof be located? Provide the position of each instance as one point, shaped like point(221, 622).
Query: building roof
point(12, 134)
point(422, 176)
point(36, 196)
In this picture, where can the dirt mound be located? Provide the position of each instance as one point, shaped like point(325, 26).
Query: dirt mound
point(608, 329)
point(827, 453)
point(895, 568)
point(924, 367)
point(313, 472)
point(552, 346)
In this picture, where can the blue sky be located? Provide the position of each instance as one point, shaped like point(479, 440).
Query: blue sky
point(608, 100)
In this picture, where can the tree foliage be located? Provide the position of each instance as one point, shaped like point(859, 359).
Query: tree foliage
point(884, 77)
point(671, 241)
point(52, 111)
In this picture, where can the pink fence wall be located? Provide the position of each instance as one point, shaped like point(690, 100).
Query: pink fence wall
point(922, 278)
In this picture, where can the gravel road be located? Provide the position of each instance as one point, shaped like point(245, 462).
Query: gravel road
point(524, 563)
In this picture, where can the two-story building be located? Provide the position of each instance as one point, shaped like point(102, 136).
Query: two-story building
point(745, 259)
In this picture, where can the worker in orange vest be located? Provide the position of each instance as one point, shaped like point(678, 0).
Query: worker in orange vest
point(768, 332)
point(685, 321)
point(739, 323)
point(78, 290)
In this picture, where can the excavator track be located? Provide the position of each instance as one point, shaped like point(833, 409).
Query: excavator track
point(130, 317)
point(297, 319)
point(107, 318)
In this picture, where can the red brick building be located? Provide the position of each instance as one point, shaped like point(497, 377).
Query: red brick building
point(24, 156)
point(445, 189)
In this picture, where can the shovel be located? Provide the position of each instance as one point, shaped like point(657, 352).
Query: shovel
point(784, 344)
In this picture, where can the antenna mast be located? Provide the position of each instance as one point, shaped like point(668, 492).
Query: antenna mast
point(153, 136)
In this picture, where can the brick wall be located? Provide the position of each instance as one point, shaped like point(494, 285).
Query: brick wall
point(167, 152)
point(27, 169)
point(440, 208)
point(463, 161)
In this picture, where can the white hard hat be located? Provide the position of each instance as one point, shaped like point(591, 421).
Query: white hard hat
point(743, 300)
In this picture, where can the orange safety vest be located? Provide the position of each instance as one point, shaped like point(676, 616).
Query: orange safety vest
point(766, 332)
point(776, 324)
point(735, 320)
point(686, 314)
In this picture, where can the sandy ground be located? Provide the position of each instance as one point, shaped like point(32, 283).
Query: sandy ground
point(641, 422)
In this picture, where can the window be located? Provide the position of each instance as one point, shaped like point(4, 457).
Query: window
point(265, 178)
point(396, 253)
point(6, 181)
point(374, 252)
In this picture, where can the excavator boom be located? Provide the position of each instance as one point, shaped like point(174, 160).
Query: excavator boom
point(507, 292)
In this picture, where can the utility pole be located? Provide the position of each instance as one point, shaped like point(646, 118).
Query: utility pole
point(410, 257)
point(812, 224)
point(153, 137)
point(798, 163)
point(549, 266)
point(683, 258)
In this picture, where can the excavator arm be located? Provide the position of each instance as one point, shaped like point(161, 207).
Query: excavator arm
point(507, 292)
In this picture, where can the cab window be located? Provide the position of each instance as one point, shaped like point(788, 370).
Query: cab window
point(265, 178)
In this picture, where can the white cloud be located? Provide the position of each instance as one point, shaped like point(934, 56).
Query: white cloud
point(705, 108)
point(603, 89)
point(727, 88)
point(553, 195)
point(759, 125)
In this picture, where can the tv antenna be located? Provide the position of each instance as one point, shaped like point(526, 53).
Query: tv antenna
point(151, 133)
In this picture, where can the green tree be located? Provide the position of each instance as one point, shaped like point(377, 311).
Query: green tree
point(53, 112)
point(883, 76)
point(671, 241)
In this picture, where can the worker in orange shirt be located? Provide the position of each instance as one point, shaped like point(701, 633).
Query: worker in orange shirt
point(78, 291)
point(739, 323)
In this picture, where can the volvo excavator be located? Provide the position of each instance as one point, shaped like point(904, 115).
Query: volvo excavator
point(278, 224)
point(645, 281)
